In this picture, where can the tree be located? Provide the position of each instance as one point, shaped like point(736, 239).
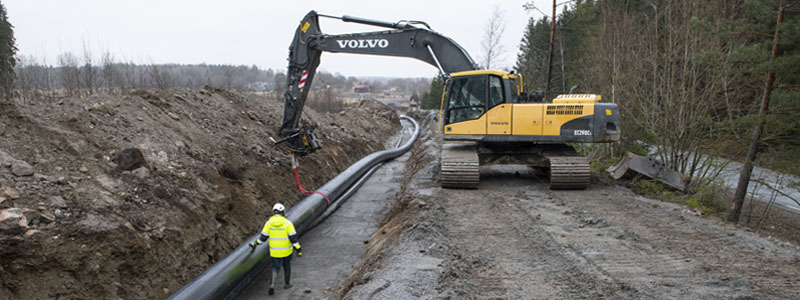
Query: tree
point(70, 74)
point(433, 98)
point(493, 32)
point(747, 169)
point(110, 72)
point(89, 70)
point(8, 50)
point(532, 57)
point(280, 83)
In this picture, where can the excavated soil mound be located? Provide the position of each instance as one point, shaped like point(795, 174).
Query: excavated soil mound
point(132, 196)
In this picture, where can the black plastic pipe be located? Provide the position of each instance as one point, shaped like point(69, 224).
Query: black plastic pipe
point(225, 278)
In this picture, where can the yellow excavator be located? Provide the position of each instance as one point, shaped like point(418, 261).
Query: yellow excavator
point(485, 117)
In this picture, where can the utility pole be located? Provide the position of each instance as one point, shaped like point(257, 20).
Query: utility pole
point(550, 59)
point(747, 169)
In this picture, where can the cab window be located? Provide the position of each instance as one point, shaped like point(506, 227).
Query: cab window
point(467, 99)
point(496, 95)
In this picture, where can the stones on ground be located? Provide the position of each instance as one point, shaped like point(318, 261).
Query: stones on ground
point(129, 159)
point(180, 144)
point(31, 215)
point(83, 169)
point(58, 213)
point(366, 125)
point(47, 217)
point(162, 158)
point(173, 116)
point(13, 221)
point(11, 192)
point(418, 203)
point(58, 201)
point(21, 168)
point(141, 173)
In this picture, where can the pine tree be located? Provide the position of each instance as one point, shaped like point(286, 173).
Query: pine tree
point(433, 98)
point(533, 51)
point(7, 52)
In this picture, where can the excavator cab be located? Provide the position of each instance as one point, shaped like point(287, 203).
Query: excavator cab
point(470, 96)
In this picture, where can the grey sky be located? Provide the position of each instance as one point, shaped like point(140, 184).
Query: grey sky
point(246, 31)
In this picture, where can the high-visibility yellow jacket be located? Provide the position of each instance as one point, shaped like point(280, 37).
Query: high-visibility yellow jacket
point(281, 235)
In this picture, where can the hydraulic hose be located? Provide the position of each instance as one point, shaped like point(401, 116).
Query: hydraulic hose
point(226, 278)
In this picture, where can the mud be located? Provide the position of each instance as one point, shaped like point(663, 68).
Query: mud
point(210, 176)
point(513, 238)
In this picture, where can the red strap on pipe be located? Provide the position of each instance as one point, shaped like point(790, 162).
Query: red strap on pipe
point(300, 187)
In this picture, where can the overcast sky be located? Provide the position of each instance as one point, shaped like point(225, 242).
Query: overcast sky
point(247, 32)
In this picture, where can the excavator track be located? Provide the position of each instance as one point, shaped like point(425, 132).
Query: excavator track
point(569, 172)
point(459, 166)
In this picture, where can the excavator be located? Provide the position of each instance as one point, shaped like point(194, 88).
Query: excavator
point(485, 116)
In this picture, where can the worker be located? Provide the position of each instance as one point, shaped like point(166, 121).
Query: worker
point(282, 241)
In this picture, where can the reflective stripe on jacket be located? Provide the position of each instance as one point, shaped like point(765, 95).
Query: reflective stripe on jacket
point(279, 229)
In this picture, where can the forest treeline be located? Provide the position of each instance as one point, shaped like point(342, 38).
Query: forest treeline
point(75, 74)
point(688, 75)
point(84, 74)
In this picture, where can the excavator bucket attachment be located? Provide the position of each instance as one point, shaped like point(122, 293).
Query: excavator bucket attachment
point(632, 164)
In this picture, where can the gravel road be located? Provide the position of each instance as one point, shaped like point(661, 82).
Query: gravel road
point(513, 238)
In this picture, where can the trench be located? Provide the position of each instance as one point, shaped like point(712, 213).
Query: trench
point(233, 275)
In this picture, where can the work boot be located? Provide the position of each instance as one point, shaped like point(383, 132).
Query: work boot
point(272, 282)
point(287, 275)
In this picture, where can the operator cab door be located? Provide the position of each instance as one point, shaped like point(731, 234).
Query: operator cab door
point(498, 117)
point(466, 105)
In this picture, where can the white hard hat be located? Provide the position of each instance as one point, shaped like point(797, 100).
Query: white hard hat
point(278, 208)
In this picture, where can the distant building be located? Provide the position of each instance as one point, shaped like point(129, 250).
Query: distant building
point(361, 87)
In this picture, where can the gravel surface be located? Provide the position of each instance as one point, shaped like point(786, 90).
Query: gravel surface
point(515, 239)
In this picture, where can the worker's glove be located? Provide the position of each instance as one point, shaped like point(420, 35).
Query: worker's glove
point(299, 251)
point(255, 244)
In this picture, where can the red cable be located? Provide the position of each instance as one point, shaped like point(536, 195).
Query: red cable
point(300, 187)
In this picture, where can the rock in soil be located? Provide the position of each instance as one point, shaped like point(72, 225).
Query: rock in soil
point(22, 169)
point(129, 158)
point(11, 192)
point(58, 201)
point(13, 221)
point(141, 173)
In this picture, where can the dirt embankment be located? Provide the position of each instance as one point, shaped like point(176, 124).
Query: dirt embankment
point(76, 223)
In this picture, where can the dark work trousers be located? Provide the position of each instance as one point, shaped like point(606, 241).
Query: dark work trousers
point(287, 266)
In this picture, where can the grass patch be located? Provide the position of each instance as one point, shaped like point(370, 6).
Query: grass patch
point(599, 166)
point(711, 200)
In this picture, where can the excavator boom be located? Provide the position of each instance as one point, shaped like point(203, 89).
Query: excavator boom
point(402, 40)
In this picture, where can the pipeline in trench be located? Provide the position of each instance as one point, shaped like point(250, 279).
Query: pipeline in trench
point(228, 276)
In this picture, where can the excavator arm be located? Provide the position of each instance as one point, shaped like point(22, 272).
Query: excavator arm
point(403, 39)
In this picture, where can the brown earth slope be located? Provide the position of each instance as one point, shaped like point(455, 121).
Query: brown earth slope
point(211, 174)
